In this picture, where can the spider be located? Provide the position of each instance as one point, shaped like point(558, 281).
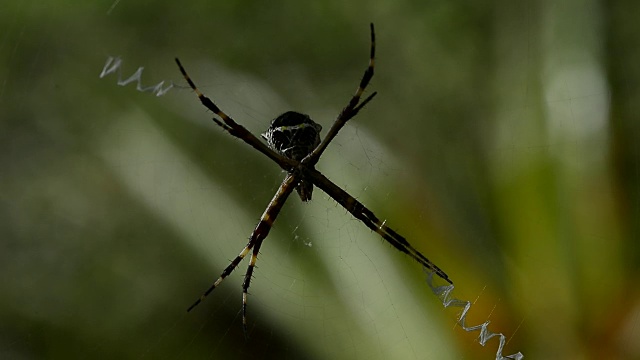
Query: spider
point(293, 142)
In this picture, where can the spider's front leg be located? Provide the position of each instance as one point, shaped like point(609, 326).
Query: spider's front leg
point(352, 108)
point(234, 128)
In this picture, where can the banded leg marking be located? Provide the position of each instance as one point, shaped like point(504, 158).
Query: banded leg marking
point(246, 283)
point(260, 233)
point(358, 210)
point(228, 270)
point(351, 109)
point(234, 128)
point(255, 241)
point(368, 73)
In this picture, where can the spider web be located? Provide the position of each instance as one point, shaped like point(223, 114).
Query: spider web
point(495, 146)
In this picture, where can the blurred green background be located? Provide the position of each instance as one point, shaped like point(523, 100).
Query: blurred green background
point(503, 144)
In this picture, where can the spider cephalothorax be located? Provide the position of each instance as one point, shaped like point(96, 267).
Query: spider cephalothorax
point(294, 135)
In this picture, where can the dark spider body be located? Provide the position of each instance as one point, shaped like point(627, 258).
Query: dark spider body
point(294, 135)
point(293, 142)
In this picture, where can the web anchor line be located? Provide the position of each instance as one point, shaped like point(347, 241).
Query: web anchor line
point(444, 294)
point(113, 65)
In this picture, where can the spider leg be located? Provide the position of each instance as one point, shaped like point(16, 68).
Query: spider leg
point(224, 274)
point(352, 108)
point(255, 241)
point(246, 283)
point(236, 129)
point(358, 210)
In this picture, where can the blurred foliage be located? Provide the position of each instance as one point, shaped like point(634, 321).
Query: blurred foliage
point(503, 143)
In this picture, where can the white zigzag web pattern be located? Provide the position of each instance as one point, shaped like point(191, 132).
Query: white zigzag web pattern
point(113, 64)
point(444, 294)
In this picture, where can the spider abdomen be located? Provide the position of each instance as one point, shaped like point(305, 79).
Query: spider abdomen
point(294, 135)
